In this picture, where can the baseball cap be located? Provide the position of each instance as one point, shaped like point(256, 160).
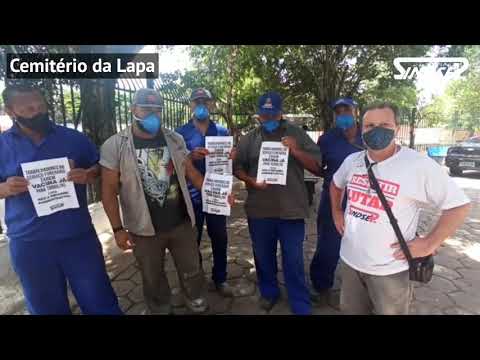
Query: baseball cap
point(344, 101)
point(147, 98)
point(270, 103)
point(201, 93)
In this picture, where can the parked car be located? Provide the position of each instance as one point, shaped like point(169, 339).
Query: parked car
point(464, 156)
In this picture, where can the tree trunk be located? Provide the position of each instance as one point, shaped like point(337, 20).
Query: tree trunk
point(97, 117)
point(326, 118)
point(412, 129)
point(231, 71)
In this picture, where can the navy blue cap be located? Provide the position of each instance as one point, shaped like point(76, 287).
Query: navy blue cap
point(270, 103)
point(344, 101)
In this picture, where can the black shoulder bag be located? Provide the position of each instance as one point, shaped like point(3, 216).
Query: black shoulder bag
point(420, 269)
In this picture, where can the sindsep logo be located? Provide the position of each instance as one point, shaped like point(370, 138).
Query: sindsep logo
point(450, 68)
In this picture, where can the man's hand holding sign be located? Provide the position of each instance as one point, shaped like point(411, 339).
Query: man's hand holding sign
point(13, 186)
point(217, 184)
point(273, 163)
point(306, 160)
point(199, 153)
point(82, 176)
point(48, 185)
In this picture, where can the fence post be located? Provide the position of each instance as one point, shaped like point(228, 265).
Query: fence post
point(412, 128)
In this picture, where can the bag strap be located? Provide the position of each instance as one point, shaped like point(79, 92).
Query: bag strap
point(393, 221)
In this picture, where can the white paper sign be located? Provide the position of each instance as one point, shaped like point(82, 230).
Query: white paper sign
point(215, 192)
point(49, 189)
point(217, 160)
point(273, 163)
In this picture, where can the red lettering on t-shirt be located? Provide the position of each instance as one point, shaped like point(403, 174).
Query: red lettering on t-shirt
point(388, 187)
point(353, 195)
point(373, 201)
point(365, 198)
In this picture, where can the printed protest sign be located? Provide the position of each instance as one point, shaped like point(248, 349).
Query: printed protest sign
point(217, 161)
point(273, 163)
point(215, 191)
point(49, 189)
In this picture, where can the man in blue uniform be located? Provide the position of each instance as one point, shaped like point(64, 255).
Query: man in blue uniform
point(277, 213)
point(194, 133)
point(335, 145)
point(48, 251)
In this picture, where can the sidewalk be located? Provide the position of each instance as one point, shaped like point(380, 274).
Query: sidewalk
point(455, 288)
point(241, 271)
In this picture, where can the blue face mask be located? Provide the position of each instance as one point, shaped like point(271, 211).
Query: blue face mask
point(344, 122)
point(201, 112)
point(378, 138)
point(270, 125)
point(150, 124)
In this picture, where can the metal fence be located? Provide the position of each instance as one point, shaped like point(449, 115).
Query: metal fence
point(410, 125)
point(176, 111)
point(65, 108)
point(64, 101)
point(65, 104)
point(407, 126)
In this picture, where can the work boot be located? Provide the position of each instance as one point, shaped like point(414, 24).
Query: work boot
point(326, 297)
point(266, 304)
point(160, 310)
point(197, 306)
point(319, 298)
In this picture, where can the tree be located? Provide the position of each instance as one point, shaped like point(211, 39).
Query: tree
point(465, 92)
point(228, 73)
point(436, 114)
point(97, 106)
point(308, 76)
point(458, 107)
point(402, 95)
point(315, 75)
point(50, 87)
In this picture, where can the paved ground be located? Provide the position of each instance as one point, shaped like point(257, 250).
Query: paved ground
point(455, 288)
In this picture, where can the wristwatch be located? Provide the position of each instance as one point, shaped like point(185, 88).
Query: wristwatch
point(118, 229)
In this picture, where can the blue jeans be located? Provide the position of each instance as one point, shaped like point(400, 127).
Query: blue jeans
point(327, 253)
point(265, 233)
point(45, 266)
point(217, 231)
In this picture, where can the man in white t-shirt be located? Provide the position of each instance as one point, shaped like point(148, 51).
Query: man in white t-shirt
point(374, 270)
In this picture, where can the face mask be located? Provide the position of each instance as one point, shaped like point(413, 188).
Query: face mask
point(201, 112)
point(150, 124)
point(270, 125)
point(40, 123)
point(344, 122)
point(378, 138)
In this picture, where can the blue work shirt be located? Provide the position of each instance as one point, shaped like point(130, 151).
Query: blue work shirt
point(194, 139)
point(20, 216)
point(335, 147)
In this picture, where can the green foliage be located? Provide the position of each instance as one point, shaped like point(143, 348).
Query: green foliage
point(228, 72)
point(459, 107)
point(308, 76)
point(402, 95)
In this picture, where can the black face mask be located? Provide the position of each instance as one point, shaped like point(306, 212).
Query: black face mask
point(39, 123)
